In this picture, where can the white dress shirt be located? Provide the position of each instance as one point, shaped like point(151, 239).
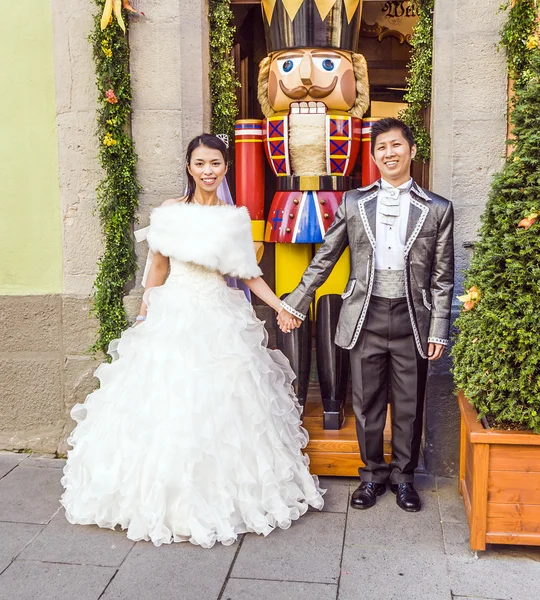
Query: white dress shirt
point(391, 226)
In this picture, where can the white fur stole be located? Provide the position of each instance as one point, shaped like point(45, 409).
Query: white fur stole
point(216, 237)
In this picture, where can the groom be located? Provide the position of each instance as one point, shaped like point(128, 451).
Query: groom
point(396, 307)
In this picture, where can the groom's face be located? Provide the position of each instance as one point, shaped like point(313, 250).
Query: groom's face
point(393, 156)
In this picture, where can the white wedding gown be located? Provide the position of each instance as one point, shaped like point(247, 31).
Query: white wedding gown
point(194, 434)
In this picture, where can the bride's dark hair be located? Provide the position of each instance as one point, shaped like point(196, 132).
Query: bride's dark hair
point(209, 141)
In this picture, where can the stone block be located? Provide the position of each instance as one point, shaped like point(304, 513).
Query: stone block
point(62, 542)
point(195, 50)
point(77, 155)
point(295, 554)
point(450, 501)
point(377, 556)
point(155, 63)
point(159, 142)
point(172, 571)
point(73, 64)
point(30, 323)
point(8, 461)
point(48, 581)
point(443, 17)
point(31, 405)
point(480, 83)
point(502, 572)
point(132, 303)
point(336, 498)
point(247, 589)
point(467, 135)
point(478, 17)
point(380, 572)
point(15, 536)
point(79, 381)
point(79, 327)
point(83, 244)
point(30, 495)
point(44, 462)
point(386, 526)
point(157, 12)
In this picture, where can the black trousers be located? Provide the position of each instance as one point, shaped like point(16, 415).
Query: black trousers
point(385, 357)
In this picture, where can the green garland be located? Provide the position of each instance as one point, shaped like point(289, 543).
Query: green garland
point(223, 81)
point(418, 94)
point(117, 194)
point(497, 353)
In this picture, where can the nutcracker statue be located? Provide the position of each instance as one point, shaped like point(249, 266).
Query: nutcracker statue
point(313, 90)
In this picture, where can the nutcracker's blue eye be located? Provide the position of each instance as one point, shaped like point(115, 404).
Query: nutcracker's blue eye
point(288, 65)
point(327, 64)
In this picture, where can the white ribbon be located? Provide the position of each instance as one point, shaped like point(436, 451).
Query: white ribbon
point(389, 204)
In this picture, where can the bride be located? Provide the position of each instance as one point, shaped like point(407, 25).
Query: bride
point(195, 433)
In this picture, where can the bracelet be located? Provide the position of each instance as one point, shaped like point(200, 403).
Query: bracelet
point(140, 318)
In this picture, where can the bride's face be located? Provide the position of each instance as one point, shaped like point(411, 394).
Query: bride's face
point(207, 167)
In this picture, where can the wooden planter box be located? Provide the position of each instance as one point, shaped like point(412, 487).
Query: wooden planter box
point(499, 479)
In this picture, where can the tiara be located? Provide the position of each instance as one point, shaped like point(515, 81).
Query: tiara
point(224, 138)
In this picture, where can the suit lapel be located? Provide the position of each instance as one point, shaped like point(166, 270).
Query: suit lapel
point(418, 212)
point(368, 212)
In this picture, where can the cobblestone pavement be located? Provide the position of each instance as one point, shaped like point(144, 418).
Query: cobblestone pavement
point(337, 554)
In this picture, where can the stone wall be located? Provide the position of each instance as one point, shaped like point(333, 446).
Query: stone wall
point(468, 131)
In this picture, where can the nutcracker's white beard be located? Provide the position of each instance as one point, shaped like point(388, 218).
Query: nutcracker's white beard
point(307, 148)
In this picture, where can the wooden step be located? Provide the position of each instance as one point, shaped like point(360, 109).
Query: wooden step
point(335, 452)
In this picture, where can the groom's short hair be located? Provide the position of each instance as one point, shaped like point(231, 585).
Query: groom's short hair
point(385, 125)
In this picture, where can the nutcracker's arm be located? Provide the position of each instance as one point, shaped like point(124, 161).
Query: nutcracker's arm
point(249, 172)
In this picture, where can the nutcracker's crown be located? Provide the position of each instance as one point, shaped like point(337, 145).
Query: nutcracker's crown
point(312, 24)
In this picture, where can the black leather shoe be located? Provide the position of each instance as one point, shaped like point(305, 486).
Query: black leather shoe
point(407, 497)
point(366, 494)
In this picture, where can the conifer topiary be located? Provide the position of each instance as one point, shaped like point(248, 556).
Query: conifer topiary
point(497, 352)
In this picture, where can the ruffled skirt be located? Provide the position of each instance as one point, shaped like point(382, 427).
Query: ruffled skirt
point(195, 433)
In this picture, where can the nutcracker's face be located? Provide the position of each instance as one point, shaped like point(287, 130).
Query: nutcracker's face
point(320, 75)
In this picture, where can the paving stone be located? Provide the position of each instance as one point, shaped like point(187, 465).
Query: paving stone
point(28, 580)
point(309, 551)
point(504, 577)
point(501, 572)
point(63, 542)
point(248, 589)
point(14, 537)
point(450, 501)
point(336, 498)
point(326, 482)
point(383, 573)
point(386, 524)
point(177, 571)
point(30, 495)
point(8, 461)
point(44, 462)
point(389, 553)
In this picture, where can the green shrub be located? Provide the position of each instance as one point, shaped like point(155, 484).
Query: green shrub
point(418, 95)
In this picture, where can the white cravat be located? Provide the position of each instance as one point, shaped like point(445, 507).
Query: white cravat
point(391, 225)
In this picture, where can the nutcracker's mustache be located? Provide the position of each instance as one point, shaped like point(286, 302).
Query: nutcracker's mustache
point(315, 91)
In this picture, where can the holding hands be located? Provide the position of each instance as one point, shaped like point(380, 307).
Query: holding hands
point(286, 321)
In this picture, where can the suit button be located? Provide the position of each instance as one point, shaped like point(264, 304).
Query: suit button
point(288, 230)
point(296, 201)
